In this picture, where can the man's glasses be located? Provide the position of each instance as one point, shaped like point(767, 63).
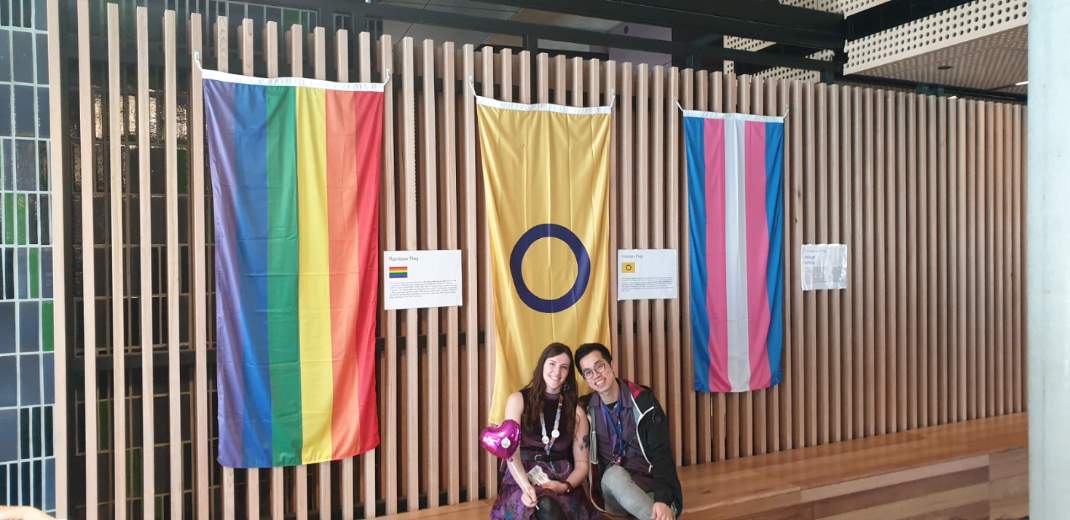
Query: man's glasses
point(599, 368)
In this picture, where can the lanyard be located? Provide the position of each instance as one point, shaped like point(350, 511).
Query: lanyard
point(616, 428)
point(548, 441)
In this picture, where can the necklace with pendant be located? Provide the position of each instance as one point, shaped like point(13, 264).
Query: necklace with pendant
point(547, 441)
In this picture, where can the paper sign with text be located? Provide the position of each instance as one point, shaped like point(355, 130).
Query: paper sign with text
point(824, 266)
point(647, 274)
point(421, 279)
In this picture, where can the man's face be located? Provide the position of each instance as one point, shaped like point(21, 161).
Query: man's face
point(597, 372)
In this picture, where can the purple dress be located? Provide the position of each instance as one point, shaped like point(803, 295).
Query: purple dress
point(575, 504)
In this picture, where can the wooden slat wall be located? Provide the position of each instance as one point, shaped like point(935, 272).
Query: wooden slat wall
point(926, 192)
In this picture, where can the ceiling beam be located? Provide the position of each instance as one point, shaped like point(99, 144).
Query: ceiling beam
point(761, 20)
point(565, 34)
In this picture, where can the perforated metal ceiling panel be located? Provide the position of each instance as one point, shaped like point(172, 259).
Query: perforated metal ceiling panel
point(993, 62)
point(847, 7)
point(947, 30)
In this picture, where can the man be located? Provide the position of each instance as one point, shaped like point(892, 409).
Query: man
point(632, 466)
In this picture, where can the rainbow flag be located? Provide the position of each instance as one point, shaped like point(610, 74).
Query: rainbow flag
point(735, 203)
point(399, 271)
point(295, 169)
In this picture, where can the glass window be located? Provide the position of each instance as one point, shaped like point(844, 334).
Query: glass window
point(42, 59)
point(29, 322)
point(25, 165)
point(22, 56)
point(5, 55)
point(7, 323)
point(8, 381)
point(25, 108)
point(5, 109)
point(9, 426)
point(30, 379)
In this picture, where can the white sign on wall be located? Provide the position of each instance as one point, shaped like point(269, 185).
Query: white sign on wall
point(824, 266)
point(421, 279)
point(647, 274)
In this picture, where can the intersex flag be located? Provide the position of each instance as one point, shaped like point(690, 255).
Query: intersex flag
point(546, 174)
point(735, 207)
point(295, 169)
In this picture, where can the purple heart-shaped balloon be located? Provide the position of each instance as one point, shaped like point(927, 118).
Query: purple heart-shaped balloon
point(501, 440)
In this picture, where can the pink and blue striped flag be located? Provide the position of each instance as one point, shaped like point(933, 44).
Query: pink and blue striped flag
point(735, 204)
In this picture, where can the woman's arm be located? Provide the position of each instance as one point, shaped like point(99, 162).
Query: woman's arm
point(514, 409)
point(580, 451)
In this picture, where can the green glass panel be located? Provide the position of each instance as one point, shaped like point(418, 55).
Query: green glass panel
point(9, 218)
point(46, 326)
point(35, 273)
point(20, 219)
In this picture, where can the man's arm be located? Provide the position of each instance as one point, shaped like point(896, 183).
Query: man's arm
point(661, 458)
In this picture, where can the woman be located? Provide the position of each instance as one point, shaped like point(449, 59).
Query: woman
point(553, 429)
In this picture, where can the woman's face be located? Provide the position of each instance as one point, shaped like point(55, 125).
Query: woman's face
point(555, 371)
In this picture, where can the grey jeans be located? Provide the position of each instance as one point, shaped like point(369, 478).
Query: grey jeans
point(623, 496)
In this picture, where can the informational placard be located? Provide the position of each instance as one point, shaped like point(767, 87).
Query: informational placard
point(647, 274)
point(824, 266)
point(421, 279)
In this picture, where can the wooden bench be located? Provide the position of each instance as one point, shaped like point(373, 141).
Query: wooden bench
point(975, 469)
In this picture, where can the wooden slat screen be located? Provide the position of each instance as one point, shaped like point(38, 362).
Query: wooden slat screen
point(926, 192)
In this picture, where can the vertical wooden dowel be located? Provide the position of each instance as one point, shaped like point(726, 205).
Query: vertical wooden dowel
point(679, 381)
point(203, 464)
point(658, 349)
point(430, 238)
point(148, 436)
point(58, 198)
point(88, 249)
point(115, 207)
point(832, 227)
point(174, 375)
point(471, 255)
point(490, 461)
point(449, 137)
point(642, 215)
point(820, 216)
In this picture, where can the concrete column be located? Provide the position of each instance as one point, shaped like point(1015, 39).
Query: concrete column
point(1048, 259)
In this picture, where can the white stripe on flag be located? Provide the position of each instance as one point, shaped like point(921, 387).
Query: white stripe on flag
point(736, 256)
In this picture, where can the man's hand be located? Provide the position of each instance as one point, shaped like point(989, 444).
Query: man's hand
point(555, 486)
point(661, 511)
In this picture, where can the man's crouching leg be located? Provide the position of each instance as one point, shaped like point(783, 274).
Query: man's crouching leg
point(624, 496)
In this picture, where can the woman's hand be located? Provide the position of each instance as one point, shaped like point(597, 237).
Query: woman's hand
point(528, 498)
point(556, 486)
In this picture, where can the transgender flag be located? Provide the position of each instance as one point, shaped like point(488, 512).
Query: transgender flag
point(735, 204)
point(295, 178)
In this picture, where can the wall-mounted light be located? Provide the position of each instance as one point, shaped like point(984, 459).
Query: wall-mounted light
point(1022, 83)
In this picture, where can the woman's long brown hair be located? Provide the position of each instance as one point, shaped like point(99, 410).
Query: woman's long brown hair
point(536, 390)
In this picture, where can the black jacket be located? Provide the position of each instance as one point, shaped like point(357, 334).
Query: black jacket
point(653, 432)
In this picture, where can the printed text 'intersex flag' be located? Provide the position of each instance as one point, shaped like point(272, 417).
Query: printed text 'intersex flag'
point(295, 178)
point(735, 205)
point(546, 172)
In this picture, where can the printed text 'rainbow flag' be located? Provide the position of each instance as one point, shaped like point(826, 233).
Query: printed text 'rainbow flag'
point(295, 175)
point(735, 204)
point(546, 172)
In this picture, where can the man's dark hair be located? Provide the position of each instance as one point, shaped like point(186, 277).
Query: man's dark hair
point(588, 348)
